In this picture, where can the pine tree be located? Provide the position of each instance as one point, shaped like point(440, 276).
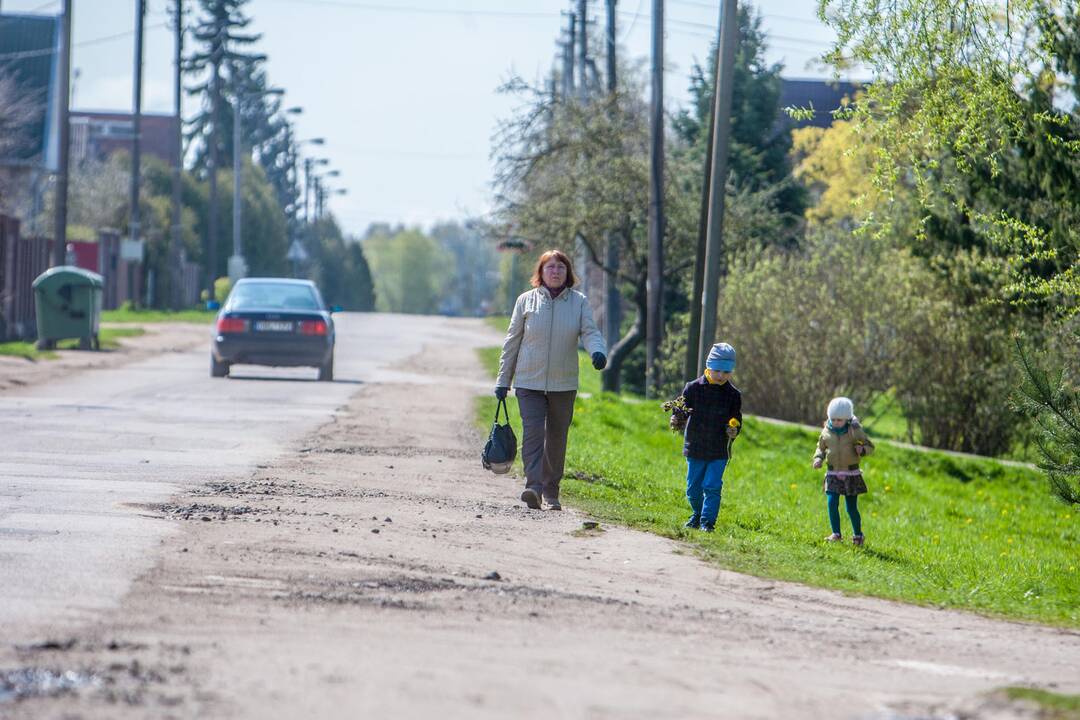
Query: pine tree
point(1054, 404)
point(759, 150)
point(219, 33)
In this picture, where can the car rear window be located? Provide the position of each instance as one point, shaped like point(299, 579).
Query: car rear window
point(277, 296)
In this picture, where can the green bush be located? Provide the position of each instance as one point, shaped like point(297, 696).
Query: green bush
point(847, 315)
point(222, 288)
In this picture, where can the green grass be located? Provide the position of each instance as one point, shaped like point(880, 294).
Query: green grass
point(129, 315)
point(1056, 706)
point(108, 337)
point(885, 419)
point(944, 531)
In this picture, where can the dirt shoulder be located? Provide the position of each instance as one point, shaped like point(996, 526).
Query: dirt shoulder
point(158, 338)
point(378, 571)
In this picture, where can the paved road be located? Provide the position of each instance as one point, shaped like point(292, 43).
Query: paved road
point(80, 455)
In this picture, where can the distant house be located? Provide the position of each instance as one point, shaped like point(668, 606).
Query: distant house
point(97, 135)
point(823, 95)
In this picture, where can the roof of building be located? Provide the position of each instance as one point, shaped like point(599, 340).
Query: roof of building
point(823, 96)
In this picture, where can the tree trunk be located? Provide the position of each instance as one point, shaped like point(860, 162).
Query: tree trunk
point(611, 377)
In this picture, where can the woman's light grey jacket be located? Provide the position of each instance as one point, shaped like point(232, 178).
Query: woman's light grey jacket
point(540, 350)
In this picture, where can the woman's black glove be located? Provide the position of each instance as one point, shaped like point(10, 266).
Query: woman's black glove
point(500, 392)
point(599, 361)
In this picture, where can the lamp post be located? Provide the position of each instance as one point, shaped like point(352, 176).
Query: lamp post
point(296, 170)
point(309, 164)
point(321, 193)
point(237, 265)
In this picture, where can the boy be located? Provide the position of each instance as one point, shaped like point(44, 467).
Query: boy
point(713, 421)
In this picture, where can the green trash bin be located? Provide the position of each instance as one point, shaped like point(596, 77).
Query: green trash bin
point(68, 304)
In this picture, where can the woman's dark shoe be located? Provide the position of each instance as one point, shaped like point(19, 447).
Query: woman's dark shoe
point(531, 498)
point(694, 523)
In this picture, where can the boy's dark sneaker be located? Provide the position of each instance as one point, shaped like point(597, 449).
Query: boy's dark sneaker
point(531, 498)
point(707, 527)
point(694, 523)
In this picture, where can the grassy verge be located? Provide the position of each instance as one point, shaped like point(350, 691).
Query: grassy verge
point(108, 337)
point(945, 531)
point(1054, 706)
point(129, 315)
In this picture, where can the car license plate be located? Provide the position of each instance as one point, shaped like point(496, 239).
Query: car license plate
point(273, 326)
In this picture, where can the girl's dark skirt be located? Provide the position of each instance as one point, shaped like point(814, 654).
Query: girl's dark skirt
point(844, 484)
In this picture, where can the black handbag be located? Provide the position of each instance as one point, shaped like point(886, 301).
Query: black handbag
point(501, 447)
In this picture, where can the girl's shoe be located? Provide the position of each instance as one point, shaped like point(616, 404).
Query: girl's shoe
point(694, 523)
point(857, 540)
point(835, 537)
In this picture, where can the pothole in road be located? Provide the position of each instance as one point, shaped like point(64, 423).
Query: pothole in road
point(37, 682)
point(201, 511)
point(393, 451)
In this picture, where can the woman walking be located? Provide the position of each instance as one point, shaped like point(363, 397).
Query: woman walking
point(539, 356)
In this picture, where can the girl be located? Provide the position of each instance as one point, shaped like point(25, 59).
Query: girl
point(840, 446)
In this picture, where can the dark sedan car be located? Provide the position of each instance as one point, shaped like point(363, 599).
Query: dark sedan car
point(276, 322)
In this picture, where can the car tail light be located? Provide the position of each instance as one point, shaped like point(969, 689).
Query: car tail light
point(313, 327)
point(227, 325)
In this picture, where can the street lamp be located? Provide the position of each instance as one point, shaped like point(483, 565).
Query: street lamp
point(237, 266)
point(322, 191)
point(309, 163)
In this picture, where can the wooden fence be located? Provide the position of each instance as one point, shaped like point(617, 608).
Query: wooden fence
point(21, 260)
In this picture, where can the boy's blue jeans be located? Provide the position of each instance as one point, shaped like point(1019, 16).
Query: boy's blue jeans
point(704, 481)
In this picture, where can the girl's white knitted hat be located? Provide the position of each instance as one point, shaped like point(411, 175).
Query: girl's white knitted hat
point(841, 408)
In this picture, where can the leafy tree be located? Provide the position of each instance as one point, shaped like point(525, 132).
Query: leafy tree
point(410, 271)
point(961, 108)
point(474, 276)
point(339, 266)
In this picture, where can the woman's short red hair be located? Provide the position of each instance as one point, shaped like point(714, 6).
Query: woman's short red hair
point(538, 274)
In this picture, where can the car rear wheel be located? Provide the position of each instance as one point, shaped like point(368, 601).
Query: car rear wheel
point(218, 369)
point(326, 371)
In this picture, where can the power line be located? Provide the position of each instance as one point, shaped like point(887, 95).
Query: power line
point(20, 55)
point(419, 10)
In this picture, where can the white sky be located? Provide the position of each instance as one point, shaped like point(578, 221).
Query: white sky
point(404, 90)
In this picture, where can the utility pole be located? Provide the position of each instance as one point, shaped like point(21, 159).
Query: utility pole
point(60, 217)
point(175, 299)
point(212, 167)
point(693, 337)
point(237, 266)
point(571, 43)
point(725, 69)
point(307, 188)
point(612, 301)
point(583, 51)
point(655, 283)
point(136, 143)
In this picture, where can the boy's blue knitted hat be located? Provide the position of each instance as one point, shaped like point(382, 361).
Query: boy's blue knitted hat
point(721, 357)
